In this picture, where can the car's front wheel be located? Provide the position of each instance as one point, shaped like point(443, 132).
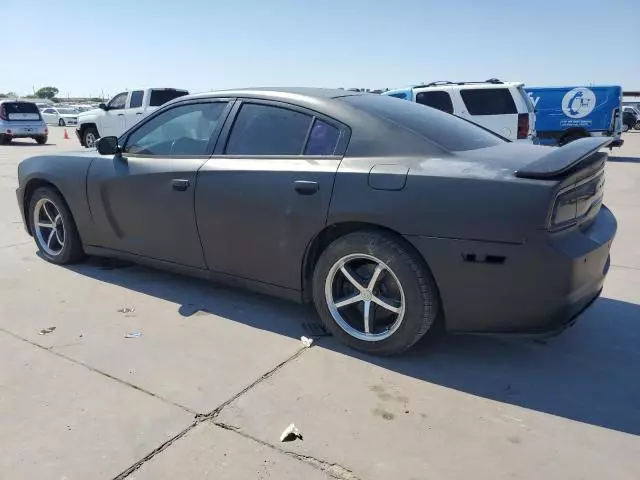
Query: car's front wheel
point(61, 122)
point(637, 126)
point(89, 137)
point(53, 227)
point(375, 293)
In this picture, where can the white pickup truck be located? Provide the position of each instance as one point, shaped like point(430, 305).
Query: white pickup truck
point(122, 112)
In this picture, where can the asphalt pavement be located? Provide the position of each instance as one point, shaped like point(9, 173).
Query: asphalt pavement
point(216, 374)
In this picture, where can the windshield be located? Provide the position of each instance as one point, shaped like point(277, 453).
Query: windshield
point(67, 111)
point(448, 131)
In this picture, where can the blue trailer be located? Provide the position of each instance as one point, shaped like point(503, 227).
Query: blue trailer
point(564, 114)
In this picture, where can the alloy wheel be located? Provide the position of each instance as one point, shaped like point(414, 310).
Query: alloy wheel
point(49, 227)
point(365, 297)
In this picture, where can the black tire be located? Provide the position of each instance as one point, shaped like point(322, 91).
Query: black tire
point(637, 126)
point(71, 251)
point(422, 300)
point(61, 122)
point(87, 134)
point(5, 140)
point(571, 137)
point(41, 140)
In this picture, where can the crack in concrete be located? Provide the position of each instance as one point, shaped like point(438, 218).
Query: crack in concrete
point(95, 370)
point(16, 244)
point(201, 418)
point(334, 470)
point(625, 267)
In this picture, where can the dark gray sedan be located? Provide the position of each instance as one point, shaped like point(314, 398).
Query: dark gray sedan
point(390, 216)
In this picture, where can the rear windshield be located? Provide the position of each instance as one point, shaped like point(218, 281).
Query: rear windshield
point(21, 110)
point(160, 97)
point(488, 101)
point(448, 131)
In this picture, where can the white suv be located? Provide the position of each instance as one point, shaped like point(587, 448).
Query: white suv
point(502, 107)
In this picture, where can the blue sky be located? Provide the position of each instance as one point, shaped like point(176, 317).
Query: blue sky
point(84, 48)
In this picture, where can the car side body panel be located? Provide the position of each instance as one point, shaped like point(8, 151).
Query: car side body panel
point(68, 173)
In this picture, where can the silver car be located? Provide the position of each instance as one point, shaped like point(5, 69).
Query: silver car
point(21, 120)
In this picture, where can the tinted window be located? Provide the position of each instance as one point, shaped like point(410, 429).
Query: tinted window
point(323, 139)
point(488, 101)
point(160, 97)
point(448, 131)
point(439, 100)
point(399, 95)
point(48, 110)
point(20, 107)
point(118, 102)
point(266, 130)
point(136, 99)
point(183, 130)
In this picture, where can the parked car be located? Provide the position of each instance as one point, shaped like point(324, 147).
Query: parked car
point(122, 112)
point(502, 107)
point(629, 119)
point(388, 215)
point(21, 120)
point(565, 114)
point(60, 116)
point(629, 112)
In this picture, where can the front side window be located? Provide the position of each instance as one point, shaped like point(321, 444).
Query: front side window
point(118, 102)
point(488, 101)
point(136, 99)
point(439, 100)
point(268, 130)
point(183, 130)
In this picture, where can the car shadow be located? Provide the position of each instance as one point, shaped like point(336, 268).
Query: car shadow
point(624, 159)
point(588, 374)
point(14, 143)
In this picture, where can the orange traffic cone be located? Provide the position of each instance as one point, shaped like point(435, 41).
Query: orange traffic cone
point(66, 135)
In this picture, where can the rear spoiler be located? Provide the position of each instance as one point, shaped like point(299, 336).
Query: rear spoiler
point(562, 159)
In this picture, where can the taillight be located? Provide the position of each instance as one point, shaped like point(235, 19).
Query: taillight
point(3, 113)
point(523, 125)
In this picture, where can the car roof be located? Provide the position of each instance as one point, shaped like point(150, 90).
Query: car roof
point(278, 93)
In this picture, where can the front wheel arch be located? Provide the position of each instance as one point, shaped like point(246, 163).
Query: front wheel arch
point(29, 189)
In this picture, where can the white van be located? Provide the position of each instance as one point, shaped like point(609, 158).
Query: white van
point(502, 107)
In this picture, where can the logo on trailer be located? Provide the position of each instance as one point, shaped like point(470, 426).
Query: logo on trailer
point(578, 103)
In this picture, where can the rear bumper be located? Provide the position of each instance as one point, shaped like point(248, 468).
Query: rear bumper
point(23, 131)
point(533, 288)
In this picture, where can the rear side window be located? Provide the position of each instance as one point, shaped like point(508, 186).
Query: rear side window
point(439, 100)
point(160, 97)
point(448, 131)
point(323, 139)
point(488, 101)
point(136, 99)
point(268, 130)
point(21, 111)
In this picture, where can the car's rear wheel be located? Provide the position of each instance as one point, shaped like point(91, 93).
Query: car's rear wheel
point(625, 127)
point(637, 126)
point(374, 293)
point(41, 140)
point(61, 122)
point(53, 227)
point(89, 137)
point(5, 139)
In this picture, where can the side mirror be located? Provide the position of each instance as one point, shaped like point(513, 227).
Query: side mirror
point(108, 146)
point(103, 106)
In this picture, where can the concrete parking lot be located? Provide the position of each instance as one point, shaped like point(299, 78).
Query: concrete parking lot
point(218, 373)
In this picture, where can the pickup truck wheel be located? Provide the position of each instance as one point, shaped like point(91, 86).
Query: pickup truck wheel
point(61, 122)
point(637, 126)
point(90, 136)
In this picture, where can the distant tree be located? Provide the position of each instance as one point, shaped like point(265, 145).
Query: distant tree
point(47, 92)
point(96, 99)
point(30, 96)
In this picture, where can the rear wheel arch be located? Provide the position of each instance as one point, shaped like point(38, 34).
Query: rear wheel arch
point(331, 233)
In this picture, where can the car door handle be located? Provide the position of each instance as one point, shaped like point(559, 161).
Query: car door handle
point(180, 184)
point(121, 114)
point(139, 113)
point(305, 187)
